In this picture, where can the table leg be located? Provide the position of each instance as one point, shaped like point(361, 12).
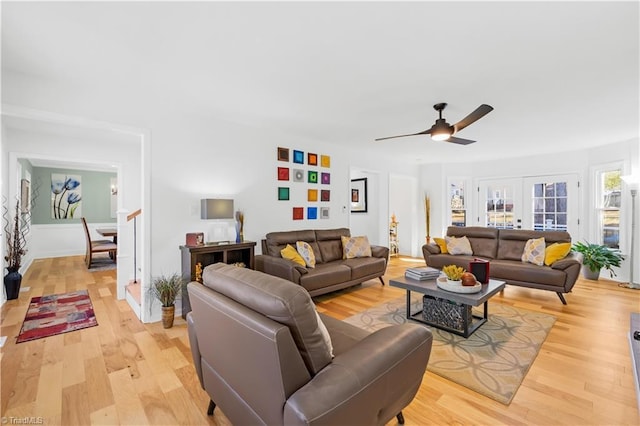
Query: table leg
point(408, 304)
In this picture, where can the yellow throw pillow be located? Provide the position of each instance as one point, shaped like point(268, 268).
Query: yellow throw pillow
point(290, 253)
point(555, 252)
point(306, 251)
point(534, 251)
point(442, 244)
point(355, 247)
point(458, 245)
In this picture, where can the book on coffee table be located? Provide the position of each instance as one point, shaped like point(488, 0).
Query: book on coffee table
point(422, 273)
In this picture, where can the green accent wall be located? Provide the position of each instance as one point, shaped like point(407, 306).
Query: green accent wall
point(96, 195)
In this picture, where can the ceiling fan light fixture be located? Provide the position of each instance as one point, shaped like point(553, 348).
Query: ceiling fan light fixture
point(441, 135)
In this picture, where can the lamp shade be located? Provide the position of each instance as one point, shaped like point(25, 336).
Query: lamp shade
point(216, 208)
point(631, 180)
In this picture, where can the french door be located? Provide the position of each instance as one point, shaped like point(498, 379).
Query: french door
point(538, 202)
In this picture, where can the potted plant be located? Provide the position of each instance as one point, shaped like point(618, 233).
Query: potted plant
point(454, 274)
point(595, 257)
point(167, 289)
point(16, 248)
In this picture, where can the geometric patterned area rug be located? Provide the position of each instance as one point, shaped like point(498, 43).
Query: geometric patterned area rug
point(493, 361)
point(57, 314)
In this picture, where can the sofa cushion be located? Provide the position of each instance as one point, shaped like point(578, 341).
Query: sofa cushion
point(459, 245)
point(290, 253)
point(330, 243)
point(324, 275)
point(364, 266)
point(534, 275)
point(353, 247)
point(276, 241)
point(306, 252)
point(484, 241)
point(534, 251)
point(277, 299)
point(555, 252)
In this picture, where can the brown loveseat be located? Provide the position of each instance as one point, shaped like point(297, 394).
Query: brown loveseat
point(503, 248)
point(259, 353)
point(331, 272)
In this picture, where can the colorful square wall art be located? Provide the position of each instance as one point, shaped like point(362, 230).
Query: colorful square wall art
point(312, 213)
point(312, 159)
point(283, 193)
point(283, 154)
point(66, 195)
point(324, 212)
point(298, 156)
point(298, 175)
point(325, 161)
point(325, 195)
point(298, 213)
point(325, 178)
point(283, 173)
point(312, 195)
point(312, 177)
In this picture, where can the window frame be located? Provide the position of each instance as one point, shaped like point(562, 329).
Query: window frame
point(597, 208)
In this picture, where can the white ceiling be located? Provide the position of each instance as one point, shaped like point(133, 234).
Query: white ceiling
point(560, 76)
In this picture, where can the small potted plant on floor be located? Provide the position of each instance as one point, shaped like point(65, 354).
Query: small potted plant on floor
point(595, 257)
point(167, 289)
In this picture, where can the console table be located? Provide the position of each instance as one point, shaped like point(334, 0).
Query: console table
point(209, 253)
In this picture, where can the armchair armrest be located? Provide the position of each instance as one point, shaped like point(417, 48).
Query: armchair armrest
point(354, 387)
point(195, 348)
point(380, 251)
point(280, 267)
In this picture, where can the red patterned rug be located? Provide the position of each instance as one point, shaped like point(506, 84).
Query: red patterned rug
point(57, 314)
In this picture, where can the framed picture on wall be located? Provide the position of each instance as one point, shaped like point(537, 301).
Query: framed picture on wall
point(359, 195)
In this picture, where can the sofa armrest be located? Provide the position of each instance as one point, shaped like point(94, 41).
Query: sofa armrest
point(195, 348)
point(355, 387)
point(380, 251)
point(571, 259)
point(431, 248)
point(280, 267)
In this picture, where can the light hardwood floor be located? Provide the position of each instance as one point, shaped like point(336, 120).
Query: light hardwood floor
point(125, 372)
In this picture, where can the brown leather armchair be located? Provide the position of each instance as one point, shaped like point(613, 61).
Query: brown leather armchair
point(261, 355)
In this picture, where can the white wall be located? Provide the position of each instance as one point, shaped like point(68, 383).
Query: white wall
point(194, 156)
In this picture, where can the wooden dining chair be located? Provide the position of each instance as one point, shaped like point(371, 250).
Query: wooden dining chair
point(97, 246)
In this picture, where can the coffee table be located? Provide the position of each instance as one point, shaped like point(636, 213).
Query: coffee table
point(456, 304)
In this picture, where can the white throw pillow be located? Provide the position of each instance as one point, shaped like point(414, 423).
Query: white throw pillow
point(325, 334)
point(534, 251)
point(458, 245)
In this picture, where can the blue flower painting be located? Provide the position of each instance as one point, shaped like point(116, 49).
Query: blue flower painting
point(66, 195)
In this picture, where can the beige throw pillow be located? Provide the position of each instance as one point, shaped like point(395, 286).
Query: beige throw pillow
point(325, 334)
point(355, 247)
point(306, 251)
point(534, 251)
point(458, 245)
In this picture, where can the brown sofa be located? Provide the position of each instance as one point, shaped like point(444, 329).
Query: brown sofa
point(503, 248)
point(259, 353)
point(331, 272)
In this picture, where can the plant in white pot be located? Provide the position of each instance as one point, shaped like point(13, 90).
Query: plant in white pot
point(166, 289)
point(595, 257)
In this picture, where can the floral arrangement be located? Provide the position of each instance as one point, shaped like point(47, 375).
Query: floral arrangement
point(453, 272)
point(239, 226)
point(16, 241)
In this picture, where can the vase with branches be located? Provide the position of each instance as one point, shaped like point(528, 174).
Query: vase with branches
point(16, 247)
point(427, 207)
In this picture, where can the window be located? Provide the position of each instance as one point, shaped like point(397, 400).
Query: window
point(457, 203)
point(499, 207)
point(550, 206)
point(608, 192)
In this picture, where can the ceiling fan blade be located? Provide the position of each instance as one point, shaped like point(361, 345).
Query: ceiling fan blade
point(459, 141)
point(476, 115)
point(426, 132)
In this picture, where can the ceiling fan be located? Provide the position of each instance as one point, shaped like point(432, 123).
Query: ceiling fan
point(443, 131)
